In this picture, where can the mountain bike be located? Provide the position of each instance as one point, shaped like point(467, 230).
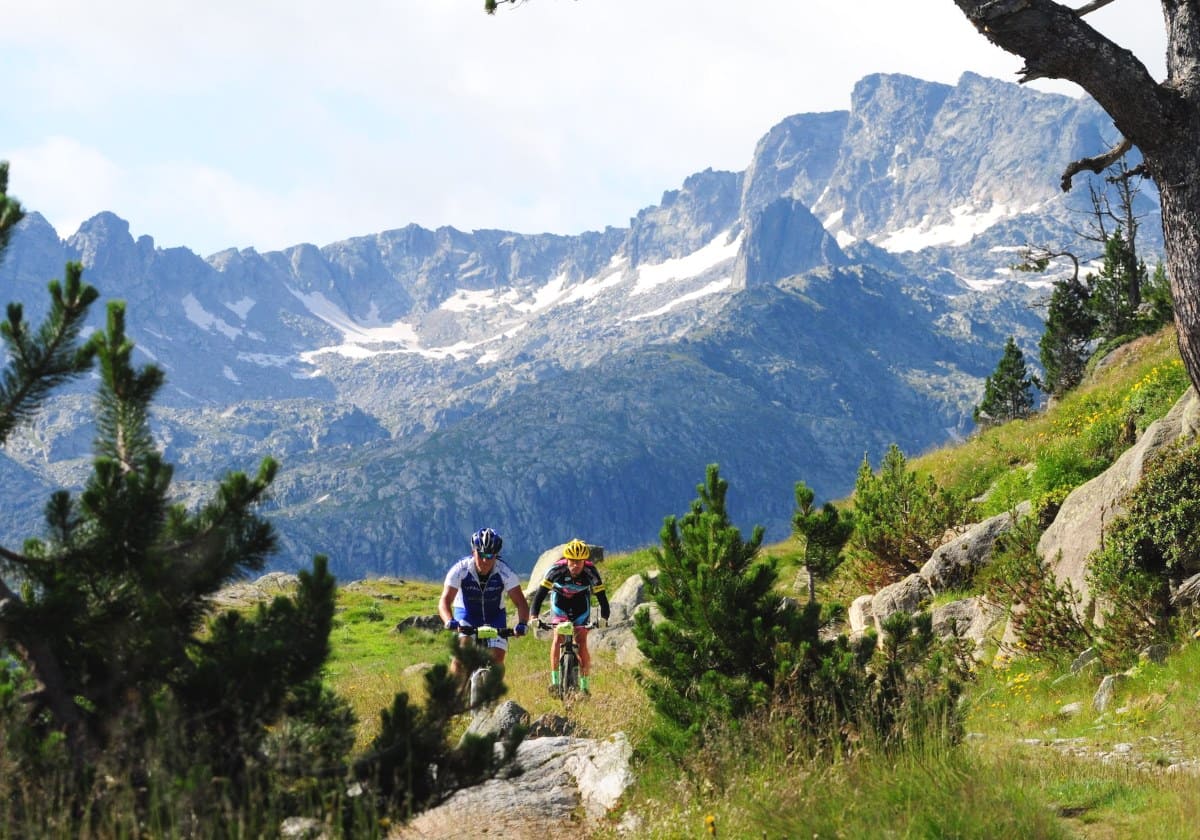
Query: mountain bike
point(568, 654)
point(481, 677)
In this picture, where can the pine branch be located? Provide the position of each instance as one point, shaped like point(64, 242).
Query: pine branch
point(10, 209)
point(125, 395)
point(39, 364)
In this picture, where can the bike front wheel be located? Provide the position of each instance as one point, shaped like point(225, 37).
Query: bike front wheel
point(478, 685)
point(568, 673)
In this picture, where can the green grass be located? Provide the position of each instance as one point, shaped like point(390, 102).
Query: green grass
point(1071, 441)
point(371, 662)
point(1006, 779)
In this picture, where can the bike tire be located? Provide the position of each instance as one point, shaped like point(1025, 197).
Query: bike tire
point(568, 670)
point(477, 684)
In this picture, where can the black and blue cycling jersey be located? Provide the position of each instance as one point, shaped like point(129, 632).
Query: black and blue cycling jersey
point(570, 595)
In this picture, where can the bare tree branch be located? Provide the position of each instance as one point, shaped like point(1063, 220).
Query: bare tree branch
point(1037, 258)
point(1093, 6)
point(1095, 164)
point(1139, 171)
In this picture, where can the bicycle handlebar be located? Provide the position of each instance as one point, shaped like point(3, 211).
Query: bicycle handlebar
point(485, 631)
point(547, 625)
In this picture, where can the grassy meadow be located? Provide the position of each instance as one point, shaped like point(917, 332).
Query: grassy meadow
point(1037, 760)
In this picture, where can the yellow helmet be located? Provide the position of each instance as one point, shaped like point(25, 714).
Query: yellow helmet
point(577, 550)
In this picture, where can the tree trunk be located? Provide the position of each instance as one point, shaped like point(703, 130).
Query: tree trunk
point(52, 686)
point(1181, 232)
point(1162, 120)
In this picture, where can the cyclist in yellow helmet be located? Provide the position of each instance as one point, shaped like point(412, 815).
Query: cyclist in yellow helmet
point(571, 582)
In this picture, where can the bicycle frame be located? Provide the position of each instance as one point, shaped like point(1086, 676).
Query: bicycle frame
point(568, 654)
point(478, 680)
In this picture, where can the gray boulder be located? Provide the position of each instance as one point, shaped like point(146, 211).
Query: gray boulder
point(1188, 593)
point(618, 639)
point(956, 562)
point(249, 593)
point(1091, 507)
point(971, 618)
point(860, 615)
point(1106, 691)
point(629, 595)
point(906, 596)
point(555, 785)
point(498, 722)
point(419, 622)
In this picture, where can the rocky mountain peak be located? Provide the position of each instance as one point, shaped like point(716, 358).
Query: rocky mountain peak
point(848, 290)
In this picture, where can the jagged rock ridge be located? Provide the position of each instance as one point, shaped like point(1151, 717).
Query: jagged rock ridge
point(784, 321)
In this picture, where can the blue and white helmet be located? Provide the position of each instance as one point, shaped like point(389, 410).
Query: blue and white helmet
point(486, 541)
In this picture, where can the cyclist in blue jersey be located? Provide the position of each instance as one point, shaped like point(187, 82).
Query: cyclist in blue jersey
point(571, 582)
point(475, 588)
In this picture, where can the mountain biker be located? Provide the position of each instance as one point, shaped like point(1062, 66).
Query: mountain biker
point(571, 582)
point(474, 592)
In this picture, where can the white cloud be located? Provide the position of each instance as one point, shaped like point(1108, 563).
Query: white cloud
point(271, 123)
point(68, 181)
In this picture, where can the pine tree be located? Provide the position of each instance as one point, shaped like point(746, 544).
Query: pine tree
point(899, 515)
point(411, 764)
point(1065, 344)
point(1158, 305)
point(714, 655)
point(119, 590)
point(115, 593)
point(39, 360)
point(1114, 293)
point(825, 531)
point(1008, 392)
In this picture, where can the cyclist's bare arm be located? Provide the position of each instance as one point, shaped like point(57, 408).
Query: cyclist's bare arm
point(444, 605)
point(518, 599)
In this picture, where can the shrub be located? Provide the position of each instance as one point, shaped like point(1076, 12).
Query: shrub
point(1043, 612)
point(1064, 466)
point(1149, 551)
point(900, 516)
point(729, 649)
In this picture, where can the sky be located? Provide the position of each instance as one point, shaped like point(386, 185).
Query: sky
point(265, 124)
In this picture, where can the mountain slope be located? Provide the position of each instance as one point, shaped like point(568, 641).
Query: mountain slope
point(783, 321)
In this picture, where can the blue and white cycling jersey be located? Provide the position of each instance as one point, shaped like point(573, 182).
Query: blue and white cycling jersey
point(481, 602)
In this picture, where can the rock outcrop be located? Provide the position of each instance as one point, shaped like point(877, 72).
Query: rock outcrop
point(1090, 508)
point(553, 785)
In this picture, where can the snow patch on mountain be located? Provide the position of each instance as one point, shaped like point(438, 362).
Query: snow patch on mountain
point(205, 320)
point(711, 289)
point(265, 359)
point(720, 249)
point(593, 286)
point(242, 307)
point(967, 221)
point(475, 300)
